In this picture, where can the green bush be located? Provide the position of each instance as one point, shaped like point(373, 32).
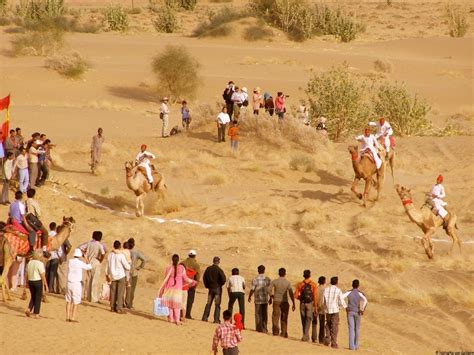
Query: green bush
point(166, 20)
point(177, 72)
point(37, 43)
point(72, 66)
point(406, 113)
point(457, 20)
point(116, 19)
point(339, 97)
point(214, 26)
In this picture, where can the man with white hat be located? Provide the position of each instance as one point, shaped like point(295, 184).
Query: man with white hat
point(193, 271)
point(238, 100)
point(164, 115)
point(384, 131)
point(74, 284)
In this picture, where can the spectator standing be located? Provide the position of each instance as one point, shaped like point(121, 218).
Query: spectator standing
point(193, 270)
point(185, 114)
point(164, 115)
point(21, 166)
point(280, 105)
point(269, 104)
point(63, 251)
point(74, 284)
point(257, 101)
point(228, 335)
point(234, 137)
point(33, 162)
point(222, 120)
point(7, 175)
point(171, 291)
point(43, 164)
point(36, 283)
point(237, 100)
point(96, 149)
point(227, 96)
point(355, 310)
point(280, 289)
point(33, 216)
point(94, 251)
point(214, 278)
point(236, 291)
point(245, 102)
point(115, 273)
point(19, 138)
point(138, 263)
point(11, 144)
point(307, 293)
point(53, 262)
point(260, 287)
point(333, 302)
point(321, 311)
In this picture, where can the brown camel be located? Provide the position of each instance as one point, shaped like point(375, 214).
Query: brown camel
point(9, 253)
point(390, 159)
point(365, 169)
point(427, 221)
point(137, 182)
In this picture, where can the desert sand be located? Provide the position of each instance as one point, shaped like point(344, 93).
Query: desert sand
point(253, 208)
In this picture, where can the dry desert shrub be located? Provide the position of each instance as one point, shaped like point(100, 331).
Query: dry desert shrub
point(302, 162)
point(312, 219)
point(217, 22)
point(207, 160)
point(382, 66)
point(204, 114)
point(219, 1)
point(257, 33)
point(71, 66)
point(457, 19)
point(4, 21)
point(37, 43)
point(3, 7)
point(166, 20)
point(177, 72)
point(115, 19)
point(214, 178)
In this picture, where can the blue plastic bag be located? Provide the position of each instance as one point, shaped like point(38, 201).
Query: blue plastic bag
point(159, 310)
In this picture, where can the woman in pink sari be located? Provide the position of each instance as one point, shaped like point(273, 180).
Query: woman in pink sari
point(171, 292)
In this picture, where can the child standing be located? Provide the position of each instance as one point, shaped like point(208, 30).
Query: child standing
point(185, 116)
point(234, 136)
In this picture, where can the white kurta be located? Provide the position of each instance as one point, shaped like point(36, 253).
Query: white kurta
point(438, 194)
point(370, 143)
point(384, 131)
point(142, 160)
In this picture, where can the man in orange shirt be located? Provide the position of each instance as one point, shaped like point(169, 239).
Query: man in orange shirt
point(307, 293)
point(234, 137)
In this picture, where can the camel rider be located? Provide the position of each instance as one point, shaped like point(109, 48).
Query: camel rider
point(144, 159)
point(437, 194)
point(369, 142)
point(384, 131)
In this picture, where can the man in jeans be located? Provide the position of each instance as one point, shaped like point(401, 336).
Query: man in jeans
point(236, 290)
point(307, 293)
point(280, 288)
point(261, 289)
point(354, 311)
point(115, 273)
point(333, 302)
point(214, 278)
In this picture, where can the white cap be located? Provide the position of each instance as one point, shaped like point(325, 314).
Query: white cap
point(244, 89)
point(77, 253)
point(192, 252)
point(38, 141)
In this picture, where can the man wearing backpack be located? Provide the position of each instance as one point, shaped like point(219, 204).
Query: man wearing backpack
point(307, 293)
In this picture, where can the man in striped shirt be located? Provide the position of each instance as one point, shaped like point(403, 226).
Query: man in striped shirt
point(333, 302)
point(228, 335)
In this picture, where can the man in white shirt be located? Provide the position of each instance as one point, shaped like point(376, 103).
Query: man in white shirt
point(144, 159)
point(74, 286)
point(238, 99)
point(115, 272)
point(437, 194)
point(33, 162)
point(384, 131)
point(354, 311)
point(368, 142)
point(95, 253)
point(333, 302)
point(164, 115)
point(7, 175)
point(236, 289)
point(222, 120)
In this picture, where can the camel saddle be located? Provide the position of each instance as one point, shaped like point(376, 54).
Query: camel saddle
point(368, 153)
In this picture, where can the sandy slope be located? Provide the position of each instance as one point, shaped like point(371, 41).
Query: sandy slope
point(297, 219)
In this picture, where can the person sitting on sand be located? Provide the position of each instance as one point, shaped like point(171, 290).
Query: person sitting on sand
point(144, 159)
point(368, 142)
point(74, 283)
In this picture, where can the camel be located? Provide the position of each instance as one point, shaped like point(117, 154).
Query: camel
point(427, 221)
point(137, 182)
point(365, 169)
point(390, 159)
point(14, 245)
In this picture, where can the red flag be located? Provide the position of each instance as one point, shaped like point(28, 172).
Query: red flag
point(5, 103)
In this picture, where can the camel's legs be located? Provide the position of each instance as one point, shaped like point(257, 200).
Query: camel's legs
point(140, 206)
point(428, 244)
point(451, 231)
point(368, 183)
point(392, 164)
point(354, 186)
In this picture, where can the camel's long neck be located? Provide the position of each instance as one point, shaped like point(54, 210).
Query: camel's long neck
point(413, 213)
point(61, 237)
point(355, 163)
point(132, 182)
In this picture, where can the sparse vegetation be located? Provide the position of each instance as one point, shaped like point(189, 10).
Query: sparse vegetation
point(406, 113)
point(216, 26)
point(302, 162)
point(339, 97)
point(219, 1)
point(71, 66)
point(382, 66)
point(214, 179)
point(257, 33)
point(457, 19)
point(37, 43)
point(3, 7)
point(4, 21)
point(188, 4)
point(177, 72)
point(115, 19)
point(166, 20)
